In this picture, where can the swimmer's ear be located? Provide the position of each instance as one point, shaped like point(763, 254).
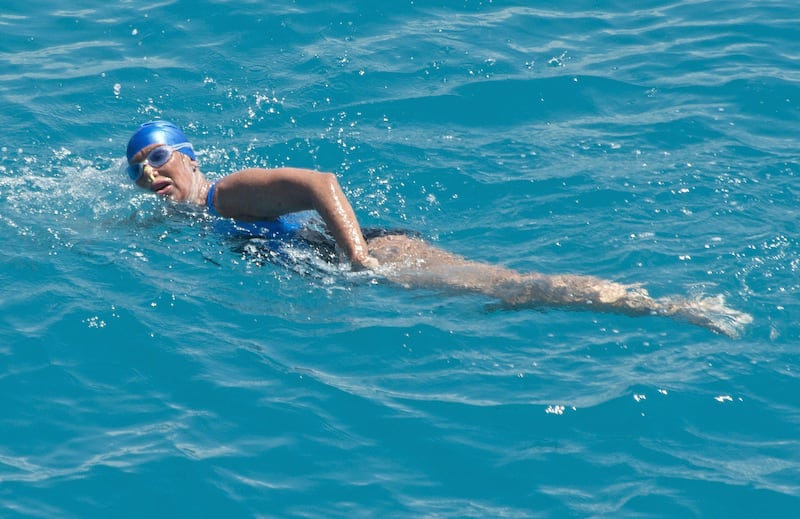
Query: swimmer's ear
point(192, 162)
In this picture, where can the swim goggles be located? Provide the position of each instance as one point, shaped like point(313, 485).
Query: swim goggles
point(156, 158)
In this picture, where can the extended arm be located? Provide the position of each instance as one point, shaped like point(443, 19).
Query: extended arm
point(260, 194)
point(413, 263)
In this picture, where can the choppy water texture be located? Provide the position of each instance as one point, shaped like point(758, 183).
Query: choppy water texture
point(150, 368)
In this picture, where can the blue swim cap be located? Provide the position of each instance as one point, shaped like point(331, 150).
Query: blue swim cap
point(158, 132)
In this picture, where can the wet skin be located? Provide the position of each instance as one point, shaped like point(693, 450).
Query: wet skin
point(262, 194)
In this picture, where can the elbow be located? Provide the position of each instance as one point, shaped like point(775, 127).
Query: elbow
point(328, 181)
point(327, 185)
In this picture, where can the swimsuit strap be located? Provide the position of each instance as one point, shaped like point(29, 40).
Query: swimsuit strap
point(210, 200)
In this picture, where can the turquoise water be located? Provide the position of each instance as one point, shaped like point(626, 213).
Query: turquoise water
point(149, 368)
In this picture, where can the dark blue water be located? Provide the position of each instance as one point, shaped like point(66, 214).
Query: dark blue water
point(150, 368)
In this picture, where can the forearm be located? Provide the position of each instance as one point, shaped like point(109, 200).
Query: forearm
point(577, 291)
point(340, 218)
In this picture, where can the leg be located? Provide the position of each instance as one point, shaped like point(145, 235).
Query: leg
point(413, 263)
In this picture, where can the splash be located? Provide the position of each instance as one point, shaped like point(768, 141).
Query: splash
point(709, 312)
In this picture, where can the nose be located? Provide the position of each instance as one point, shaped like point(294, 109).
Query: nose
point(150, 173)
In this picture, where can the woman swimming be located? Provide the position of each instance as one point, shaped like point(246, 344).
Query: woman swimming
point(162, 160)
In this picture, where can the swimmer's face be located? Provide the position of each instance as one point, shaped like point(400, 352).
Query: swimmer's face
point(175, 179)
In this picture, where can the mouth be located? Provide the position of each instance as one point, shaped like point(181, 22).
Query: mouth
point(161, 187)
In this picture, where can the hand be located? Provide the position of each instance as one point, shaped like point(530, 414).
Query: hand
point(365, 263)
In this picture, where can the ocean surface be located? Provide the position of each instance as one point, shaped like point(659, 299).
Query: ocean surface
point(149, 367)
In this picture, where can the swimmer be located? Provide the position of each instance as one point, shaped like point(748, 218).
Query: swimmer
point(162, 160)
